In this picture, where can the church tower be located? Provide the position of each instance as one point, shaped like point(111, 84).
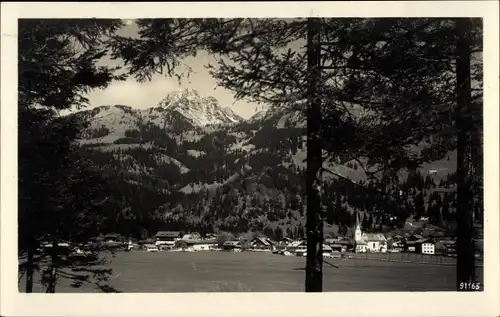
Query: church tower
point(357, 231)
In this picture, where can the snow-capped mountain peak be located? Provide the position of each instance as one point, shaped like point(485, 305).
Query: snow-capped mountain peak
point(180, 111)
point(198, 110)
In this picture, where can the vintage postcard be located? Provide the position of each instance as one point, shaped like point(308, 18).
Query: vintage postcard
point(209, 159)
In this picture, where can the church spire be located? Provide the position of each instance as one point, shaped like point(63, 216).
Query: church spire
point(357, 230)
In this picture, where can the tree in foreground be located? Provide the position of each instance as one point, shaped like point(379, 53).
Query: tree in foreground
point(417, 74)
point(59, 192)
point(373, 90)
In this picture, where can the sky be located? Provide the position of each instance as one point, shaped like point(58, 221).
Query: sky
point(145, 95)
point(148, 94)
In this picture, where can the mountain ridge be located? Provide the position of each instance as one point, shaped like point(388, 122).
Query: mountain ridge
point(243, 176)
point(180, 110)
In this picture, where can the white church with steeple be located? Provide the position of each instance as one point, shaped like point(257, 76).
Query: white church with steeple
point(368, 242)
point(359, 243)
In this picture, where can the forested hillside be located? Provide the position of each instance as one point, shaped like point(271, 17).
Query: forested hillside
point(169, 172)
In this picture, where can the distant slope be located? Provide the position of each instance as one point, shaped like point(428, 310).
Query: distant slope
point(189, 163)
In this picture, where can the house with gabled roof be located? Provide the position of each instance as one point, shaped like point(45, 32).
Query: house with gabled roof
point(425, 246)
point(196, 244)
point(375, 242)
point(232, 245)
point(112, 237)
point(445, 246)
point(191, 236)
point(167, 237)
point(296, 244)
point(395, 243)
point(261, 243)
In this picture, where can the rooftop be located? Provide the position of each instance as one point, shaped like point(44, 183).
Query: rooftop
point(294, 244)
point(168, 234)
point(261, 240)
point(374, 237)
point(232, 243)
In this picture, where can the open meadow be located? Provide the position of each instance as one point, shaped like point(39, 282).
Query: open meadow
point(261, 272)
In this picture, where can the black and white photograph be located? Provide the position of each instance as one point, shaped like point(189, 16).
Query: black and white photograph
point(233, 154)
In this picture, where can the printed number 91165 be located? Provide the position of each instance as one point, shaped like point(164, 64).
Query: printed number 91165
point(469, 286)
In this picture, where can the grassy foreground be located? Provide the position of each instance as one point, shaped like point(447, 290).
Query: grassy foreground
point(261, 272)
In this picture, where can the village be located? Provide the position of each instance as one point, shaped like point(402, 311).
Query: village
point(368, 243)
point(427, 242)
point(430, 243)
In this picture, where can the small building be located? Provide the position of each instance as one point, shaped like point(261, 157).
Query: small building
point(113, 241)
point(150, 248)
point(375, 242)
point(424, 246)
point(346, 243)
point(261, 243)
point(145, 241)
point(360, 247)
point(294, 245)
point(112, 237)
point(445, 247)
point(211, 236)
point(395, 245)
point(191, 236)
point(196, 245)
point(232, 246)
point(412, 242)
point(427, 248)
point(410, 246)
point(330, 241)
point(61, 245)
point(167, 237)
point(327, 248)
point(338, 247)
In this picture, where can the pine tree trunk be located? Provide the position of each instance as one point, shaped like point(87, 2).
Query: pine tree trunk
point(31, 248)
point(29, 267)
point(465, 243)
point(314, 225)
point(54, 265)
